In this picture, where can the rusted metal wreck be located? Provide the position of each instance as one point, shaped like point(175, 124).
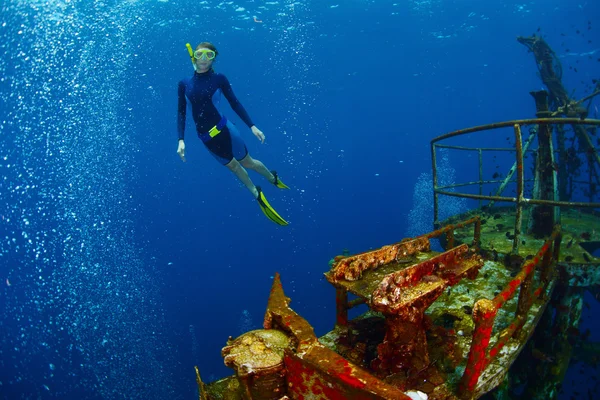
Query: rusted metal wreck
point(449, 324)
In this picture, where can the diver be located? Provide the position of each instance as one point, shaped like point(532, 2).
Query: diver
point(220, 136)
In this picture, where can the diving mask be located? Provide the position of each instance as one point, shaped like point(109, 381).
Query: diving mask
point(204, 54)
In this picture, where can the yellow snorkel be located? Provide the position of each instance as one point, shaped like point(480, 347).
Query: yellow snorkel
point(191, 52)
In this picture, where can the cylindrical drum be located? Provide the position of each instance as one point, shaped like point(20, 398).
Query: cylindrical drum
point(257, 358)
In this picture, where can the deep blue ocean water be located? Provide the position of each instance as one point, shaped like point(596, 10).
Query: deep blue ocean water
point(122, 267)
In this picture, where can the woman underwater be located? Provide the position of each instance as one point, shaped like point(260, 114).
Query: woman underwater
point(220, 136)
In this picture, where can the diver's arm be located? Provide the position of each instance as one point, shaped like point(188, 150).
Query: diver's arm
point(181, 109)
point(234, 102)
point(239, 109)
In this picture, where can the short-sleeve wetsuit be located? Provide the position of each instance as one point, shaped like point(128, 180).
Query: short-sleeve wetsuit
point(203, 90)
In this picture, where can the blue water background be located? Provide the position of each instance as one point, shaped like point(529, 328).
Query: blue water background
point(349, 95)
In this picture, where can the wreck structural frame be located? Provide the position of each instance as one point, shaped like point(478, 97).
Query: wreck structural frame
point(520, 200)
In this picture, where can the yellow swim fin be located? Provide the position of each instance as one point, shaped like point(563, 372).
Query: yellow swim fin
point(268, 210)
point(278, 182)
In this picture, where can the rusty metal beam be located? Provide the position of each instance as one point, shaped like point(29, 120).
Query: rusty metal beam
point(520, 188)
point(506, 124)
point(322, 374)
point(351, 268)
point(514, 200)
point(484, 314)
point(280, 316)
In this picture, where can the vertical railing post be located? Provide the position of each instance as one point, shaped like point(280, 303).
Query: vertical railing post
point(547, 262)
point(477, 234)
point(435, 194)
point(341, 303)
point(520, 188)
point(557, 242)
point(591, 186)
point(552, 255)
point(450, 239)
point(524, 299)
point(480, 176)
point(484, 313)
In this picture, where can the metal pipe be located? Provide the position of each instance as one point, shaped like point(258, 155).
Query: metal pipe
point(356, 302)
point(447, 146)
point(520, 188)
point(484, 314)
point(525, 200)
point(435, 194)
point(504, 124)
point(480, 175)
point(477, 234)
point(341, 302)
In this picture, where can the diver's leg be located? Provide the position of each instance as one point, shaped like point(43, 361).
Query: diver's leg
point(241, 173)
point(255, 165)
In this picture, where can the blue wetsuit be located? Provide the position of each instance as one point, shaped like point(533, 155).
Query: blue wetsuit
point(203, 90)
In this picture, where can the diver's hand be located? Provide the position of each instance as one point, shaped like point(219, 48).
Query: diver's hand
point(258, 133)
point(181, 150)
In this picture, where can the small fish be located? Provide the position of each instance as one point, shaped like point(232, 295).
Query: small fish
point(573, 332)
point(586, 235)
point(539, 355)
point(562, 308)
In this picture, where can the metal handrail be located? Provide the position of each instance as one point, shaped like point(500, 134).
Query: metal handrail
point(481, 352)
point(520, 200)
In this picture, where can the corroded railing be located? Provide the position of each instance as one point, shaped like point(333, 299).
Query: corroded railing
point(519, 200)
point(481, 353)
